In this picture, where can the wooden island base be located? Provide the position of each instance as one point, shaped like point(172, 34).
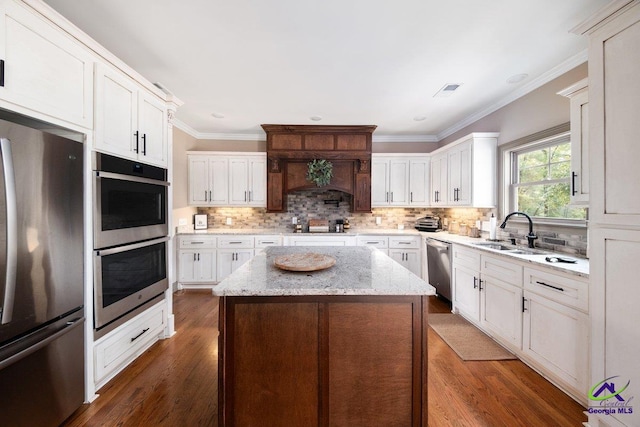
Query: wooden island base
point(323, 360)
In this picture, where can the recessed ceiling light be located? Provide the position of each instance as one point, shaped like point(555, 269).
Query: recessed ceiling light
point(218, 115)
point(419, 118)
point(447, 90)
point(517, 78)
point(316, 118)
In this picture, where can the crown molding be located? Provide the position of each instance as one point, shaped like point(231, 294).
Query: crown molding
point(262, 136)
point(404, 138)
point(543, 79)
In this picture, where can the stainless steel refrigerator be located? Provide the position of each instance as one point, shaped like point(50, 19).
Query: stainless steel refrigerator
point(41, 273)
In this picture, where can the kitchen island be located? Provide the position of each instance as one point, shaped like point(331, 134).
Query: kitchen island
point(342, 346)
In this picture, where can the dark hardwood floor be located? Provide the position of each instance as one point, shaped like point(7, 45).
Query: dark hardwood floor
point(175, 383)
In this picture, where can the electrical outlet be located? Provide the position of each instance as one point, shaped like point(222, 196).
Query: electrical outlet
point(229, 221)
point(294, 220)
point(378, 220)
point(182, 221)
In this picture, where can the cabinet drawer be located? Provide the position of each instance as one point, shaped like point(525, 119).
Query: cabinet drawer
point(404, 242)
point(235, 242)
point(503, 269)
point(466, 257)
point(193, 242)
point(375, 241)
point(266, 241)
point(117, 349)
point(563, 289)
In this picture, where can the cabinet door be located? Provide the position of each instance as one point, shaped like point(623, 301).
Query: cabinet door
point(409, 259)
point(238, 181)
point(399, 182)
point(199, 180)
point(557, 337)
point(229, 260)
point(219, 181)
point(580, 148)
point(501, 310)
point(152, 128)
point(258, 182)
point(614, 93)
point(116, 113)
point(187, 261)
point(466, 296)
point(379, 183)
point(225, 258)
point(419, 182)
point(206, 268)
point(241, 257)
point(439, 171)
point(46, 70)
point(459, 186)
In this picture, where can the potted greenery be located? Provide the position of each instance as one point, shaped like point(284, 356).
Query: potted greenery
point(320, 172)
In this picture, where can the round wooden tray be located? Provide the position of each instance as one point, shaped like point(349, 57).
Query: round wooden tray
point(304, 262)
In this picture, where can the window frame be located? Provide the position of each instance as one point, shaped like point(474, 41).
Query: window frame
point(509, 170)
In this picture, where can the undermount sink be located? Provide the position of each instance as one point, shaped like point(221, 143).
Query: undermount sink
point(510, 249)
point(496, 246)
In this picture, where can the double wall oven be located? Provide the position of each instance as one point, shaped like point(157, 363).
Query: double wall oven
point(130, 236)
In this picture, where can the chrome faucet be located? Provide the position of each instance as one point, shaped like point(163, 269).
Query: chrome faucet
point(530, 237)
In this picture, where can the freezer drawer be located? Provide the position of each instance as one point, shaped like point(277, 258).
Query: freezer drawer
point(47, 386)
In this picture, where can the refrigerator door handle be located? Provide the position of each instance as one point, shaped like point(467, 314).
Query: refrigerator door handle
point(11, 232)
point(38, 343)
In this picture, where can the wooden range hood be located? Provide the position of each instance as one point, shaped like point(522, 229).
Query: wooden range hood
point(291, 147)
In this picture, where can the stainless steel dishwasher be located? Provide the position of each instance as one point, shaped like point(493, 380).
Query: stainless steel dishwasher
point(439, 266)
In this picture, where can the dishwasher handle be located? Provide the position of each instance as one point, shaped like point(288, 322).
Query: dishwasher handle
point(438, 244)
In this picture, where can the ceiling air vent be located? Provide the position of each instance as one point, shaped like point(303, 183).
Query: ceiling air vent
point(447, 90)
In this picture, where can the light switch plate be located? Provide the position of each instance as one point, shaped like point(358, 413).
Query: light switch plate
point(378, 220)
point(229, 221)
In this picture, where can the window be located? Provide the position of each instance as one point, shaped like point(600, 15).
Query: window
point(539, 182)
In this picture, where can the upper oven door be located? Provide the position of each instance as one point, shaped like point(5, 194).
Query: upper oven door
point(128, 209)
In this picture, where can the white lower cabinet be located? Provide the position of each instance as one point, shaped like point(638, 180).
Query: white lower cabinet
point(230, 259)
point(379, 242)
point(204, 260)
point(114, 351)
point(197, 266)
point(406, 251)
point(196, 260)
point(539, 314)
point(556, 328)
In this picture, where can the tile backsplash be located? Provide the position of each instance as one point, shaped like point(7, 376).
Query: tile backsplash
point(333, 205)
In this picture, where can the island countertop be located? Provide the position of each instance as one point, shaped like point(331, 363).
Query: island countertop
point(358, 271)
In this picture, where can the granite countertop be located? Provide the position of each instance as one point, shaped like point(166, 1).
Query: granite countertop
point(188, 230)
point(358, 270)
point(580, 268)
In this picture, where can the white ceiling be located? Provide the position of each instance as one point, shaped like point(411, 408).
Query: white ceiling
point(357, 62)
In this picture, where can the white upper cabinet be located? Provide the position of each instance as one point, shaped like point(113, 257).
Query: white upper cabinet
point(208, 180)
point(227, 179)
point(578, 94)
point(130, 121)
point(419, 181)
point(439, 173)
point(463, 173)
point(398, 180)
point(45, 72)
point(247, 181)
point(459, 188)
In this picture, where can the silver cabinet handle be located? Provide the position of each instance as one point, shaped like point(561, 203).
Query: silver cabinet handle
point(245, 196)
point(196, 243)
point(249, 195)
point(210, 199)
point(411, 197)
point(392, 197)
point(11, 232)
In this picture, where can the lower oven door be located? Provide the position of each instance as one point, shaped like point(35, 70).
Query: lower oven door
point(127, 277)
